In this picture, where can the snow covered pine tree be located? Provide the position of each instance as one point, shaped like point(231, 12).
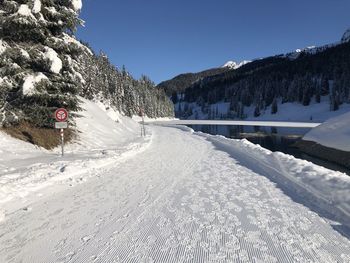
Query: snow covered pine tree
point(38, 59)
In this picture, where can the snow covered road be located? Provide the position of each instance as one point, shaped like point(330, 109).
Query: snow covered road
point(182, 199)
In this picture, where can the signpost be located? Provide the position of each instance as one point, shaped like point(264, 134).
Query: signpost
point(143, 130)
point(61, 116)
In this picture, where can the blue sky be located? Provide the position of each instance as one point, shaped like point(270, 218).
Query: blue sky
point(163, 38)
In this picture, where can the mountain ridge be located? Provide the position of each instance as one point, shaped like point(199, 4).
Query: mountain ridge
point(313, 73)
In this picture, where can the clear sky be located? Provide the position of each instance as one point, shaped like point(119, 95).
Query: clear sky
point(163, 38)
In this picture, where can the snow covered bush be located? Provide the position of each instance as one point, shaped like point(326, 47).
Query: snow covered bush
point(38, 59)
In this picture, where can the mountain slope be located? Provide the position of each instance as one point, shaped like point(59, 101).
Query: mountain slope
point(181, 82)
point(308, 75)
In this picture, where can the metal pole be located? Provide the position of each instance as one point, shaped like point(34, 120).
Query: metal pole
point(62, 141)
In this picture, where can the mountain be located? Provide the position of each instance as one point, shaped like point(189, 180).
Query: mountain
point(182, 81)
point(235, 65)
point(303, 77)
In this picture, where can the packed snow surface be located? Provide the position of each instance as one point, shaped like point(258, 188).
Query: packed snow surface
point(334, 133)
point(174, 196)
point(56, 62)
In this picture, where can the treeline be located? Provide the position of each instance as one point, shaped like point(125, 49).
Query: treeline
point(183, 81)
point(43, 67)
point(105, 82)
point(263, 83)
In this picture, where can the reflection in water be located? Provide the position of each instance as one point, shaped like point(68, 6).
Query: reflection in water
point(272, 138)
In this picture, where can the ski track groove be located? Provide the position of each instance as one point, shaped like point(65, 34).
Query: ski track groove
point(188, 202)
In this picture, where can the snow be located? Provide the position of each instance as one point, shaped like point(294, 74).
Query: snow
point(105, 137)
point(235, 65)
point(77, 5)
point(330, 189)
point(296, 112)
point(30, 81)
point(56, 62)
point(243, 123)
point(71, 40)
point(147, 119)
point(315, 112)
point(24, 11)
point(37, 6)
point(2, 46)
point(187, 197)
point(52, 10)
point(24, 53)
point(334, 133)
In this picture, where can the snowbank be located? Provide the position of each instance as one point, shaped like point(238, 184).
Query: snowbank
point(334, 133)
point(147, 119)
point(325, 190)
point(105, 139)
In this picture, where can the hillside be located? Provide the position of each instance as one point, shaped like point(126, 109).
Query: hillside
point(303, 76)
point(44, 67)
point(182, 81)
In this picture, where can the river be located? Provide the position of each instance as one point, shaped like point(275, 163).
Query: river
point(272, 138)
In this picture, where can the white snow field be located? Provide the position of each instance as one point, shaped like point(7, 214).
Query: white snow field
point(334, 133)
point(28, 172)
point(175, 196)
point(287, 112)
point(244, 123)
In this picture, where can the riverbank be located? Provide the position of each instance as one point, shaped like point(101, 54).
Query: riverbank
point(325, 153)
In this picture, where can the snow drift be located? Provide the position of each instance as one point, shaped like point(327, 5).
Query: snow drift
point(334, 133)
point(105, 137)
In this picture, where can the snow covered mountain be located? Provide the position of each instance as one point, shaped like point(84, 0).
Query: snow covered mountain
point(235, 65)
point(314, 49)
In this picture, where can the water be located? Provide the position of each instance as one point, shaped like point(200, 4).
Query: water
point(272, 138)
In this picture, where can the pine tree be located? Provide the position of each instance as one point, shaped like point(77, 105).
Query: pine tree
point(38, 59)
point(174, 97)
point(257, 111)
point(274, 107)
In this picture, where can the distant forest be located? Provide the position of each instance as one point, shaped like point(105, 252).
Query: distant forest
point(264, 82)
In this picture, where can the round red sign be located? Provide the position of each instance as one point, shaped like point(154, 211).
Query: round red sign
point(61, 115)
